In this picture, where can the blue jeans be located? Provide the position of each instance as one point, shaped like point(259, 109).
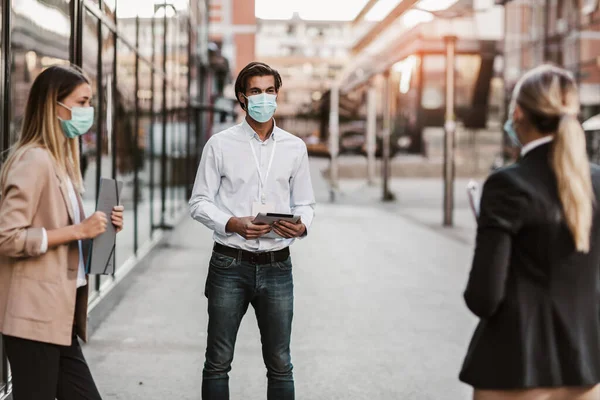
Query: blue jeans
point(230, 287)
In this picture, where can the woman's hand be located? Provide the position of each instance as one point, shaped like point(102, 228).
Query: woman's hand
point(117, 218)
point(93, 226)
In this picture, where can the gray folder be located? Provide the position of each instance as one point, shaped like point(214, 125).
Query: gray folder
point(101, 255)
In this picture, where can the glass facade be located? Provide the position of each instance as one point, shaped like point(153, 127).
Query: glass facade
point(420, 93)
point(563, 32)
point(141, 68)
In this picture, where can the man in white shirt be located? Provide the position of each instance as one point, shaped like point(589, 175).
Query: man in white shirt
point(254, 167)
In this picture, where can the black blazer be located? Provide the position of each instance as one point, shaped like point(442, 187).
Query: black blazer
point(537, 297)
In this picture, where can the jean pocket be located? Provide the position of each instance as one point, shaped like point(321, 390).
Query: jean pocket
point(285, 265)
point(220, 261)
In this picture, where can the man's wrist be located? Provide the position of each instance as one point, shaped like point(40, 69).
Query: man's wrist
point(303, 232)
point(230, 226)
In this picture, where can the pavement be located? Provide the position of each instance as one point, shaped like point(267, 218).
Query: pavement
point(378, 306)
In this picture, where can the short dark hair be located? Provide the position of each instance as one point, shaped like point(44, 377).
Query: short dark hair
point(250, 71)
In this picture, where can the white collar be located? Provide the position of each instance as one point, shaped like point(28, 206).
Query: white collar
point(536, 143)
point(252, 134)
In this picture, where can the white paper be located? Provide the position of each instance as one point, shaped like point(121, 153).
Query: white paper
point(474, 197)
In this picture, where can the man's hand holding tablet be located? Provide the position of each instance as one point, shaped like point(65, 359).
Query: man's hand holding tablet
point(285, 225)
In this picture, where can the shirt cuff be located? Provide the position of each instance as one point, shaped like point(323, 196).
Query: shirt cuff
point(44, 245)
point(221, 224)
point(307, 221)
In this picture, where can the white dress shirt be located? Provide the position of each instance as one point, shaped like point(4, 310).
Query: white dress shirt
point(81, 279)
point(536, 143)
point(228, 183)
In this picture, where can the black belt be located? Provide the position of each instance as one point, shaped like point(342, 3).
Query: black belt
point(266, 257)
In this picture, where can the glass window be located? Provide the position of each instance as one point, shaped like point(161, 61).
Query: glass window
point(108, 108)
point(590, 43)
point(156, 149)
point(108, 6)
point(107, 115)
point(126, 147)
point(89, 143)
point(434, 69)
point(467, 70)
point(40, 38)
point(145, 134)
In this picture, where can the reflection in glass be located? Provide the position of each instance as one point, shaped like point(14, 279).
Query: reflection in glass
point(156, 148)
point(89, 145)
point(108, 6)
point(40, 38)
point(126, 147)
point(89, 141)
point(104, 156)
point(145, 122)
point(466, 71)
point(434, 71)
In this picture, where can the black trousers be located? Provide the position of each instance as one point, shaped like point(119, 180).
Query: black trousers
point(43, 371)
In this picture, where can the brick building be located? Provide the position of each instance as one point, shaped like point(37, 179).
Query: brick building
point(232, 26)
point(564, 32)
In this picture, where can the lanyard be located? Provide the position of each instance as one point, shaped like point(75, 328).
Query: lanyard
point(263, 181)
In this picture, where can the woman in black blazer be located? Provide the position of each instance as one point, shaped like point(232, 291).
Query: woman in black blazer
point(535, 278)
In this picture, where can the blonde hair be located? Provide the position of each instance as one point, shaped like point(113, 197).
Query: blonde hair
point(549, 99)
point(41, 126)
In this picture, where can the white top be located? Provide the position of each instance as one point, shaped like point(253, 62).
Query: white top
point(81, 279)
point(536, 143)
point(228, 182)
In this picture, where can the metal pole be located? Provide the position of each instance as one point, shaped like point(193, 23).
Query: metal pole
point(175, 117)
point(189, 167)
point(371, 133)
point(136, 150)
point(99, 127)
point(163, 158)
point(450, 130)
point(5, 68)
point(152, 122)
point(334, 138)
point(387, 131)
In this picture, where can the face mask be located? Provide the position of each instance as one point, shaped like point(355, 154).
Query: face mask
point(261, 107)
point(82, 119)
point(509, 128)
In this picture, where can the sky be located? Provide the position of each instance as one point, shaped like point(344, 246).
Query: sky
point(331, 10)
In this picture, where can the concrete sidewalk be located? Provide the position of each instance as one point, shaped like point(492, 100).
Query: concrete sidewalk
point(378, 313)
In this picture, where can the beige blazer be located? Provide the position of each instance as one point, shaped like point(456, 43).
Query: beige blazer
point(39, 299)
point(574, 393)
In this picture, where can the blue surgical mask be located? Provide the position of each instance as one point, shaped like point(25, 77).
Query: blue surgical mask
point(261, 107)
point(82, 119)
point(509, 128)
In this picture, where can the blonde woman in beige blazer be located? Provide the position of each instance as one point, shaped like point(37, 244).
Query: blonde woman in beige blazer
point(43, 285)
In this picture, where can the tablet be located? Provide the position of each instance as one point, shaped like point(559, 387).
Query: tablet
point(271, 218)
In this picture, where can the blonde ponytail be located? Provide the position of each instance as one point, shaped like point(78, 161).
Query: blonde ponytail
point(571, 166)
point(549, 99)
